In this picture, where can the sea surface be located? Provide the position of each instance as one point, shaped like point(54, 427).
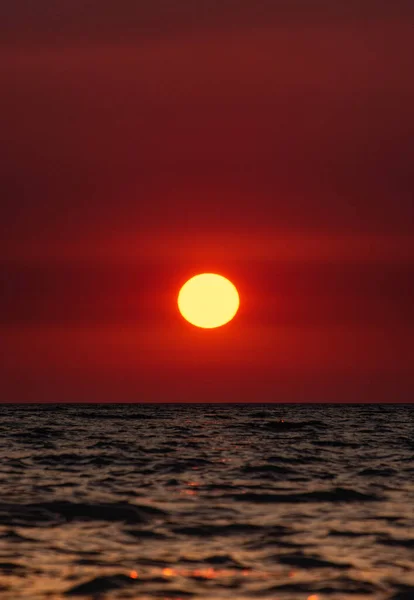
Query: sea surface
point(303, 502)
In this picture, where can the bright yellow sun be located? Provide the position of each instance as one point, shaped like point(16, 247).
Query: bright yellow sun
point(208, 300)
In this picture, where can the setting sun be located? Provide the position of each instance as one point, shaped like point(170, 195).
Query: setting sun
point(208, 300)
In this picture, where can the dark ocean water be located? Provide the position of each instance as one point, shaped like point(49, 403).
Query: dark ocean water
point(207, 501)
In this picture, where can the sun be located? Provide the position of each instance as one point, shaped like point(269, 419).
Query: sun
point(208, 300)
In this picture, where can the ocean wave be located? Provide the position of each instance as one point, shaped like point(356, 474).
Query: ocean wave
point(69, 511)
point(212, 501)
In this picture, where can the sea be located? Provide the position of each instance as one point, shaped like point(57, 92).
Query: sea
point(207, 501)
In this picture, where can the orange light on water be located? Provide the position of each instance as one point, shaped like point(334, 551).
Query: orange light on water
point(313, 597)
point(209, 573)
point(133, 574)
point(167, 572)
point(189, 492)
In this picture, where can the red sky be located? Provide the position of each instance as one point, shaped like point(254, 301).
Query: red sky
point(143, 142)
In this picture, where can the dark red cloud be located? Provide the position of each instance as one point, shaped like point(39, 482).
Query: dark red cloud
point(28, 22)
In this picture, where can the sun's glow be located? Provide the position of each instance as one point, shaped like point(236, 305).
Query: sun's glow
point(208, 300)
